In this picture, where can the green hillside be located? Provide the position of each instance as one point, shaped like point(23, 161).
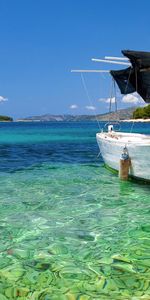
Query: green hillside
point(142, 112)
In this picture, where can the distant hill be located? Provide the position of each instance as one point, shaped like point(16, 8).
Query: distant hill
point(120, 114)
point(5, 119)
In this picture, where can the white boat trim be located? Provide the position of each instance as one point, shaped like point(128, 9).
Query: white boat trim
point(116, 58)
point(111, 61)
point(90, 71)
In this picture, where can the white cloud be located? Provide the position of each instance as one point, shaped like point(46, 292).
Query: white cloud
point(107, 100)
point(132, 98)
point(129, 98)
point(3, 99)
point(90, 107)
point(73, 106)
point(113, 100)
point(102, 99)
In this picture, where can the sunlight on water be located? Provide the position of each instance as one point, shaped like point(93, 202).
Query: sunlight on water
point(69, 228)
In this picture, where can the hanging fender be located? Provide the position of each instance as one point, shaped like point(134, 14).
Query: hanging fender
point(125, 163)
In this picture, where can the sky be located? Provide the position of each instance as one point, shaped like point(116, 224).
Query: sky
point(42, 40)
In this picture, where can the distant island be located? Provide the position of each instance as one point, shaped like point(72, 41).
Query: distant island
point(5, 119)
point(127, 114)
point(119, 115)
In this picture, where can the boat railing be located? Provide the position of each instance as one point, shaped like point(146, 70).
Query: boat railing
point(115, 126)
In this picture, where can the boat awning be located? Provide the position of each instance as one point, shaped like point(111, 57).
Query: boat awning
point(137, 77)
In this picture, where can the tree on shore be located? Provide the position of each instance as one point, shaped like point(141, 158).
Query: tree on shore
point(142, 112)
point(5, 118)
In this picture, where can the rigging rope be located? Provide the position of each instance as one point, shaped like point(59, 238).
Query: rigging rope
point(136, 89)
point(116, 108)
point(111, 95)
point(113, 91)
point(89, 98)
point(132, 126)
point(128, 80)
point(116, 105)
point(125, 93)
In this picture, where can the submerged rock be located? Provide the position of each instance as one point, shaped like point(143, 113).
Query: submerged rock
point(120, 258)
point(106, 261)
point(146, 228)
point(43, 266)
point(20, 253)
point(57, 249)
point(86, 237)
point(124, 267)
point(14, 292)
point(2, 297)
point(38, 264)
point(12, 273)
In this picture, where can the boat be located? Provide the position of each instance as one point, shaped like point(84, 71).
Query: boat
point(130, 151)
point(113, 144)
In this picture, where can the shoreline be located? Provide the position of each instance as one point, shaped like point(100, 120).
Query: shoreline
point(136, 120)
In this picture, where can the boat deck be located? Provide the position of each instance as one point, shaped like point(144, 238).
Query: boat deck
point(122, 137)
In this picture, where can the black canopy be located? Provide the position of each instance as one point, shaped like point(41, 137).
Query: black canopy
point(136, 77)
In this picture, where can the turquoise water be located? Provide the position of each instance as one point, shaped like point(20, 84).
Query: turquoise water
point(69, 228)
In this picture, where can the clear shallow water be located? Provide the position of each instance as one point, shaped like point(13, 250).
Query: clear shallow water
point(69, 228)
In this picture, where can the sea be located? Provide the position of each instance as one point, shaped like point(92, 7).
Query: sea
point(69, 228)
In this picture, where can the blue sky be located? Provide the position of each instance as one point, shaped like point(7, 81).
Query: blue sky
point(42, 40)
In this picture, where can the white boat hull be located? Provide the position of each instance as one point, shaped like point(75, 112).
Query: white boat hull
point(111, 146)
